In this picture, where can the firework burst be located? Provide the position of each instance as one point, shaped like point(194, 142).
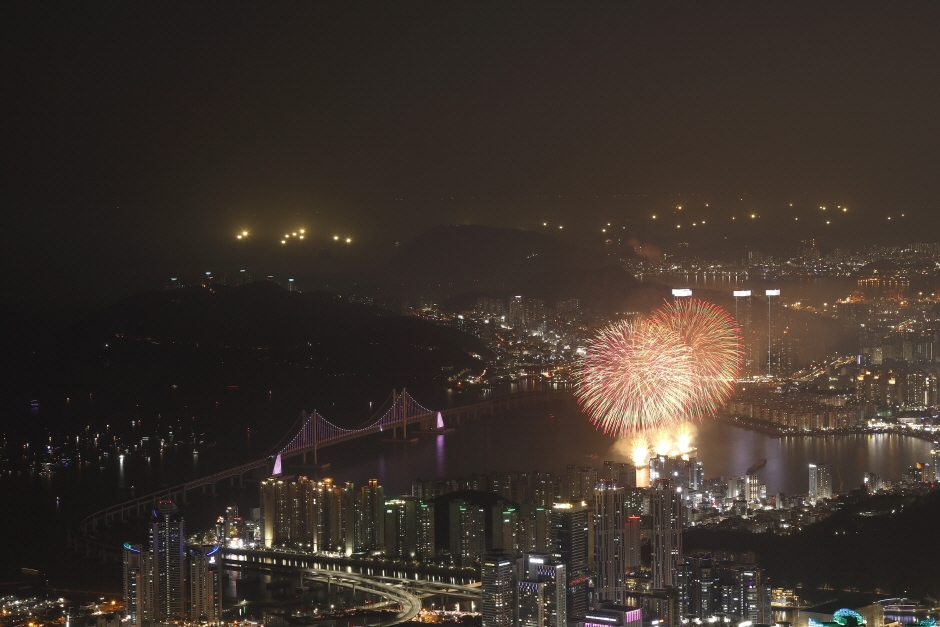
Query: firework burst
point(633, 376)
point(714, 342)
point(678, 364)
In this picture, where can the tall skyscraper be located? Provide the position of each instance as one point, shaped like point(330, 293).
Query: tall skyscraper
point(517, 310)
point(696, 586)
point(666, 539)
point(570, 533)
point(164, 584)
point(401, 530)
point(505, 528)
point(609, 542)
point(820, 482)
point(291, 512)
point(205, 586)
point(622, 473)
point(467, 529)
point(350, 519)
point(534, 529)
point(632, 544)
point(498, 607)
point(540, 592)
point(744, 593)
point(168, 541)
point(371, 521)
point(425, 541)
point(137, 597)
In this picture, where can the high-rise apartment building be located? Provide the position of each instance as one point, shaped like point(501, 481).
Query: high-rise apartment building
point(708, 587)
point(138, 587)
point(622, 473)
point(745, 593)
point(425, 538)
point(401, 528)
point(820, 482)
point(168, 543)
point(505, 529)
point(498, 606)
point(205, 586)
point(632, 543)
point(517, 310)
point(570, 539)
point(467, 532)
point(372, 517)
point(666, 535)
point(540, 592)
point(609, 542)
point(164, 583)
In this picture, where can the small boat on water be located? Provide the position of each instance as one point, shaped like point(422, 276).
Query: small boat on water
point(760, 463)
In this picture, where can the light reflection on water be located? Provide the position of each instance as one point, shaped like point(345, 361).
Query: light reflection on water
point(531, 439)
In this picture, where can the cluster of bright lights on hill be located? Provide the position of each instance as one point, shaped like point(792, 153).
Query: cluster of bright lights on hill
point(293, 236)
point(298, 234)
point(682, 217)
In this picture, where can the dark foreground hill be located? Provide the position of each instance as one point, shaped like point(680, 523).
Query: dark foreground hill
point(886, 543)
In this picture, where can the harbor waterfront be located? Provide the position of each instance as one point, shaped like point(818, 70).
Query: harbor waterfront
point(549, 437)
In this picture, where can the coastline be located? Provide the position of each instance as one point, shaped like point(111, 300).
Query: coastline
point(774, 429)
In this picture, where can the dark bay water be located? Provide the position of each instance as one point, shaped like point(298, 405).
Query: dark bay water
point(548, 437)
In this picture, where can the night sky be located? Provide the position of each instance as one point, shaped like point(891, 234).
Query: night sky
point(139, 138)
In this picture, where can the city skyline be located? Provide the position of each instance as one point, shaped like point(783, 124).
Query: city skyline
point(655, 289)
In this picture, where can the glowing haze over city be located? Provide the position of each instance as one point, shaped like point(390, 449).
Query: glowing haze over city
point(496, 314)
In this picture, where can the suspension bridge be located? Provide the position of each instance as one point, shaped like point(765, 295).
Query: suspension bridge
point(310, 433)
point(317, 432)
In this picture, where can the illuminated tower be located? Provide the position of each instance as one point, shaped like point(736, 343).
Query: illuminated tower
point(570, 535)
point(350, 515)
point(498, 604)
point(666, 545)
point(505, 529)
point(138, 584)
point(742, 315)
point(769, 293)
point(820, 482)
point(168, 539)
point(517, 310)
point(424, 521)
point(540, 592)
point(371, 519)
point(609, 542)
point(466, 532)
point(401, 531)
point(205, 585)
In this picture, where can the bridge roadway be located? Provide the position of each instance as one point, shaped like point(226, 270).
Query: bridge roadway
point(83, 539)
point(410, 604)
point(436, 576)
point(406, 591)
